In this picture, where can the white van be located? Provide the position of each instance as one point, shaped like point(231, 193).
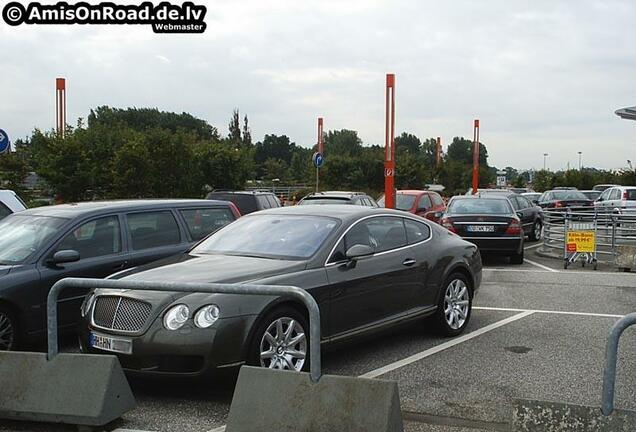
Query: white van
point(10, 203)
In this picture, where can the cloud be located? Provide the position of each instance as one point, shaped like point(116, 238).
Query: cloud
point(543, 76)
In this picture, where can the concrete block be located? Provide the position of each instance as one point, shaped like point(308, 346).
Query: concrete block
point(267, 400)
point(79, 389)
point(539, 416)
point(626, 256)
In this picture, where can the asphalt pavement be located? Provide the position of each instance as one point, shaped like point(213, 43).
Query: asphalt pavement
point(537, 331)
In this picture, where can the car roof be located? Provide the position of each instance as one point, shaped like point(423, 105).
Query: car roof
point(73, 210)
point(343, 212)
point(338, 194)
point(486, 196)
point(413, 191)
point(232, 192)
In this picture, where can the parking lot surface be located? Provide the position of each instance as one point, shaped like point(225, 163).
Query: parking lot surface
point(536, 332)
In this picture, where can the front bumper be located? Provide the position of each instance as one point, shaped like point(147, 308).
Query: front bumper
point(187, 352)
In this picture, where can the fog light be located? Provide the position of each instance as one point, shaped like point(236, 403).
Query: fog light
point(206, 316)
point(176, 317)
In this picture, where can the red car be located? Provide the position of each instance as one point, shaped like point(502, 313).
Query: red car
point(419, 202)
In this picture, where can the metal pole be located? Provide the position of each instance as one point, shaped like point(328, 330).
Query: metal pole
point(580, 160)
point(389, 144)
point(611, 354)
point(264, 290)
point(476, 156)
point(545, 155)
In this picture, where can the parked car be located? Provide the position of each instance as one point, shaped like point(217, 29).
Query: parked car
point(488, 191)
point(518, 190)
point(40, 246)
point(602, 187)
point(338, 197)
point(419, 202)
point(562, 188)
point(489, 221)
point(10, 203)
point(533, 197)
point(367, 268)
point(529, 214)
point(559, 199)
point(617, 197)
point(591, 194)
point(247, 201)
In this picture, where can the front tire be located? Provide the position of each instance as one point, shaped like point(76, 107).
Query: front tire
point(281, 341)
point(454, 306)
point(8, 330)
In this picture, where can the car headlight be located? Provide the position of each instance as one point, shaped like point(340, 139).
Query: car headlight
point(88, 304)
point(206, 316)
point(176, 317)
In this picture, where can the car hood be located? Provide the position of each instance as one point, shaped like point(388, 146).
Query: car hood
point(202, 269)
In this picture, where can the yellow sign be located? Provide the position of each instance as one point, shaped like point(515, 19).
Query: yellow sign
point(581, 241)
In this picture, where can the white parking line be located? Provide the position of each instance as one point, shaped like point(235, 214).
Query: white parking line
point(533, 246)
point(514, 270)
point(441, 347)
point(219, 429)
point(541, 266)
point(590, 314)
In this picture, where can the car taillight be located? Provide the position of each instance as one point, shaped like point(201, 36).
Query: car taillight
point(514, 228)
point(558, 204)
point(446, 223)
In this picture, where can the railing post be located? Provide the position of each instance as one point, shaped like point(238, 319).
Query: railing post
point(611, 354)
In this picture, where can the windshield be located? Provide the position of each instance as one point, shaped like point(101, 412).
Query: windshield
point(270, 236)
point(593, 195)
point(21, 236)
point(567, 195)
point(402, 201)
point(479, 206)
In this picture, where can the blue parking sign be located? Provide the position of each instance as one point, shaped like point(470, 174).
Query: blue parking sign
point(4, 142)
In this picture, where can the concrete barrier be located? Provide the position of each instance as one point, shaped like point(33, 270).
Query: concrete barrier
point(81, 389)
point(268, 400)
point(539, 416)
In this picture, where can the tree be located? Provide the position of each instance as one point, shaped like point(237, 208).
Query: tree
point(343, 142)
point(247, 133)
point(407, 142)
point(235, 129)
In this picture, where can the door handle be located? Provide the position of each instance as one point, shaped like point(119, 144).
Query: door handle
point(408, 262)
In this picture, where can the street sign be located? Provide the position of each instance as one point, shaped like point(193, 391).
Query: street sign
point(389, 172)
point(501, 178)
point(317, 159)
point(4, 142)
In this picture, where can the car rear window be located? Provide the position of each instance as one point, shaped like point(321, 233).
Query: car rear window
point(4, 211)
point(631, 194)
point(204, 221)
point(568, 195)
point(479, 206)
point(246, 203)
point(319, 201)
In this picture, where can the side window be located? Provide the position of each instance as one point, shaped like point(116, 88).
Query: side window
point(201, 222)
point(605, 194)
point(425, 202)
point(273, 202)
point(381, 233)
point(153, 229)
point(98, 237)
point(262, 202)
point(437, 200)
point(616, 194)
point(4, 211)
point(515, 203)
point(416, 231)
point(523, 201)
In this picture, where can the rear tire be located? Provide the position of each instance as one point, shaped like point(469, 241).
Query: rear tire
point(535, 234)
point(454, 306)
point(517, 258)
point(284, 347)
point(9, 330)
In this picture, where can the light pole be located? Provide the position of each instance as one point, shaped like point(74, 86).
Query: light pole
point(580, 160)
point(545, 155)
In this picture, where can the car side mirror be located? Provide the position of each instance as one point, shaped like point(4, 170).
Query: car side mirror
point(599, 199)
point(65, 256)
point(438, 215)
point(359, 251)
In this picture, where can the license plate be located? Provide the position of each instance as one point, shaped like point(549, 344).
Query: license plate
point(108, 343)
point(480, 228)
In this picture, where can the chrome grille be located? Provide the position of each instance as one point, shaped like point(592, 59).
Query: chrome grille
point(120, 313)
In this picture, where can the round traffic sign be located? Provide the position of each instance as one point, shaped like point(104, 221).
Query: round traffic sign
point(318, 160)
point(389, 172)
point(4, 141)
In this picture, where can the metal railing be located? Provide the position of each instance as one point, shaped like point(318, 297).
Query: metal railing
point(613, 228)
point(611, 354)
point(212, 288)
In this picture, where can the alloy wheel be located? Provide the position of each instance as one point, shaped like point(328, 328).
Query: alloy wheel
point(284, 345)
point(7, 332)
point(537, 230)
point(456, 304)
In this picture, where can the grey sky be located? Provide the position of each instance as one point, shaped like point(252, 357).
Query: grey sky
point(542, 75)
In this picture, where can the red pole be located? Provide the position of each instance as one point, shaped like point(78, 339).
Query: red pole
point(389, 155)
point(438, 151)
point(320, 136)
point(60, 105)
point(476, 157)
